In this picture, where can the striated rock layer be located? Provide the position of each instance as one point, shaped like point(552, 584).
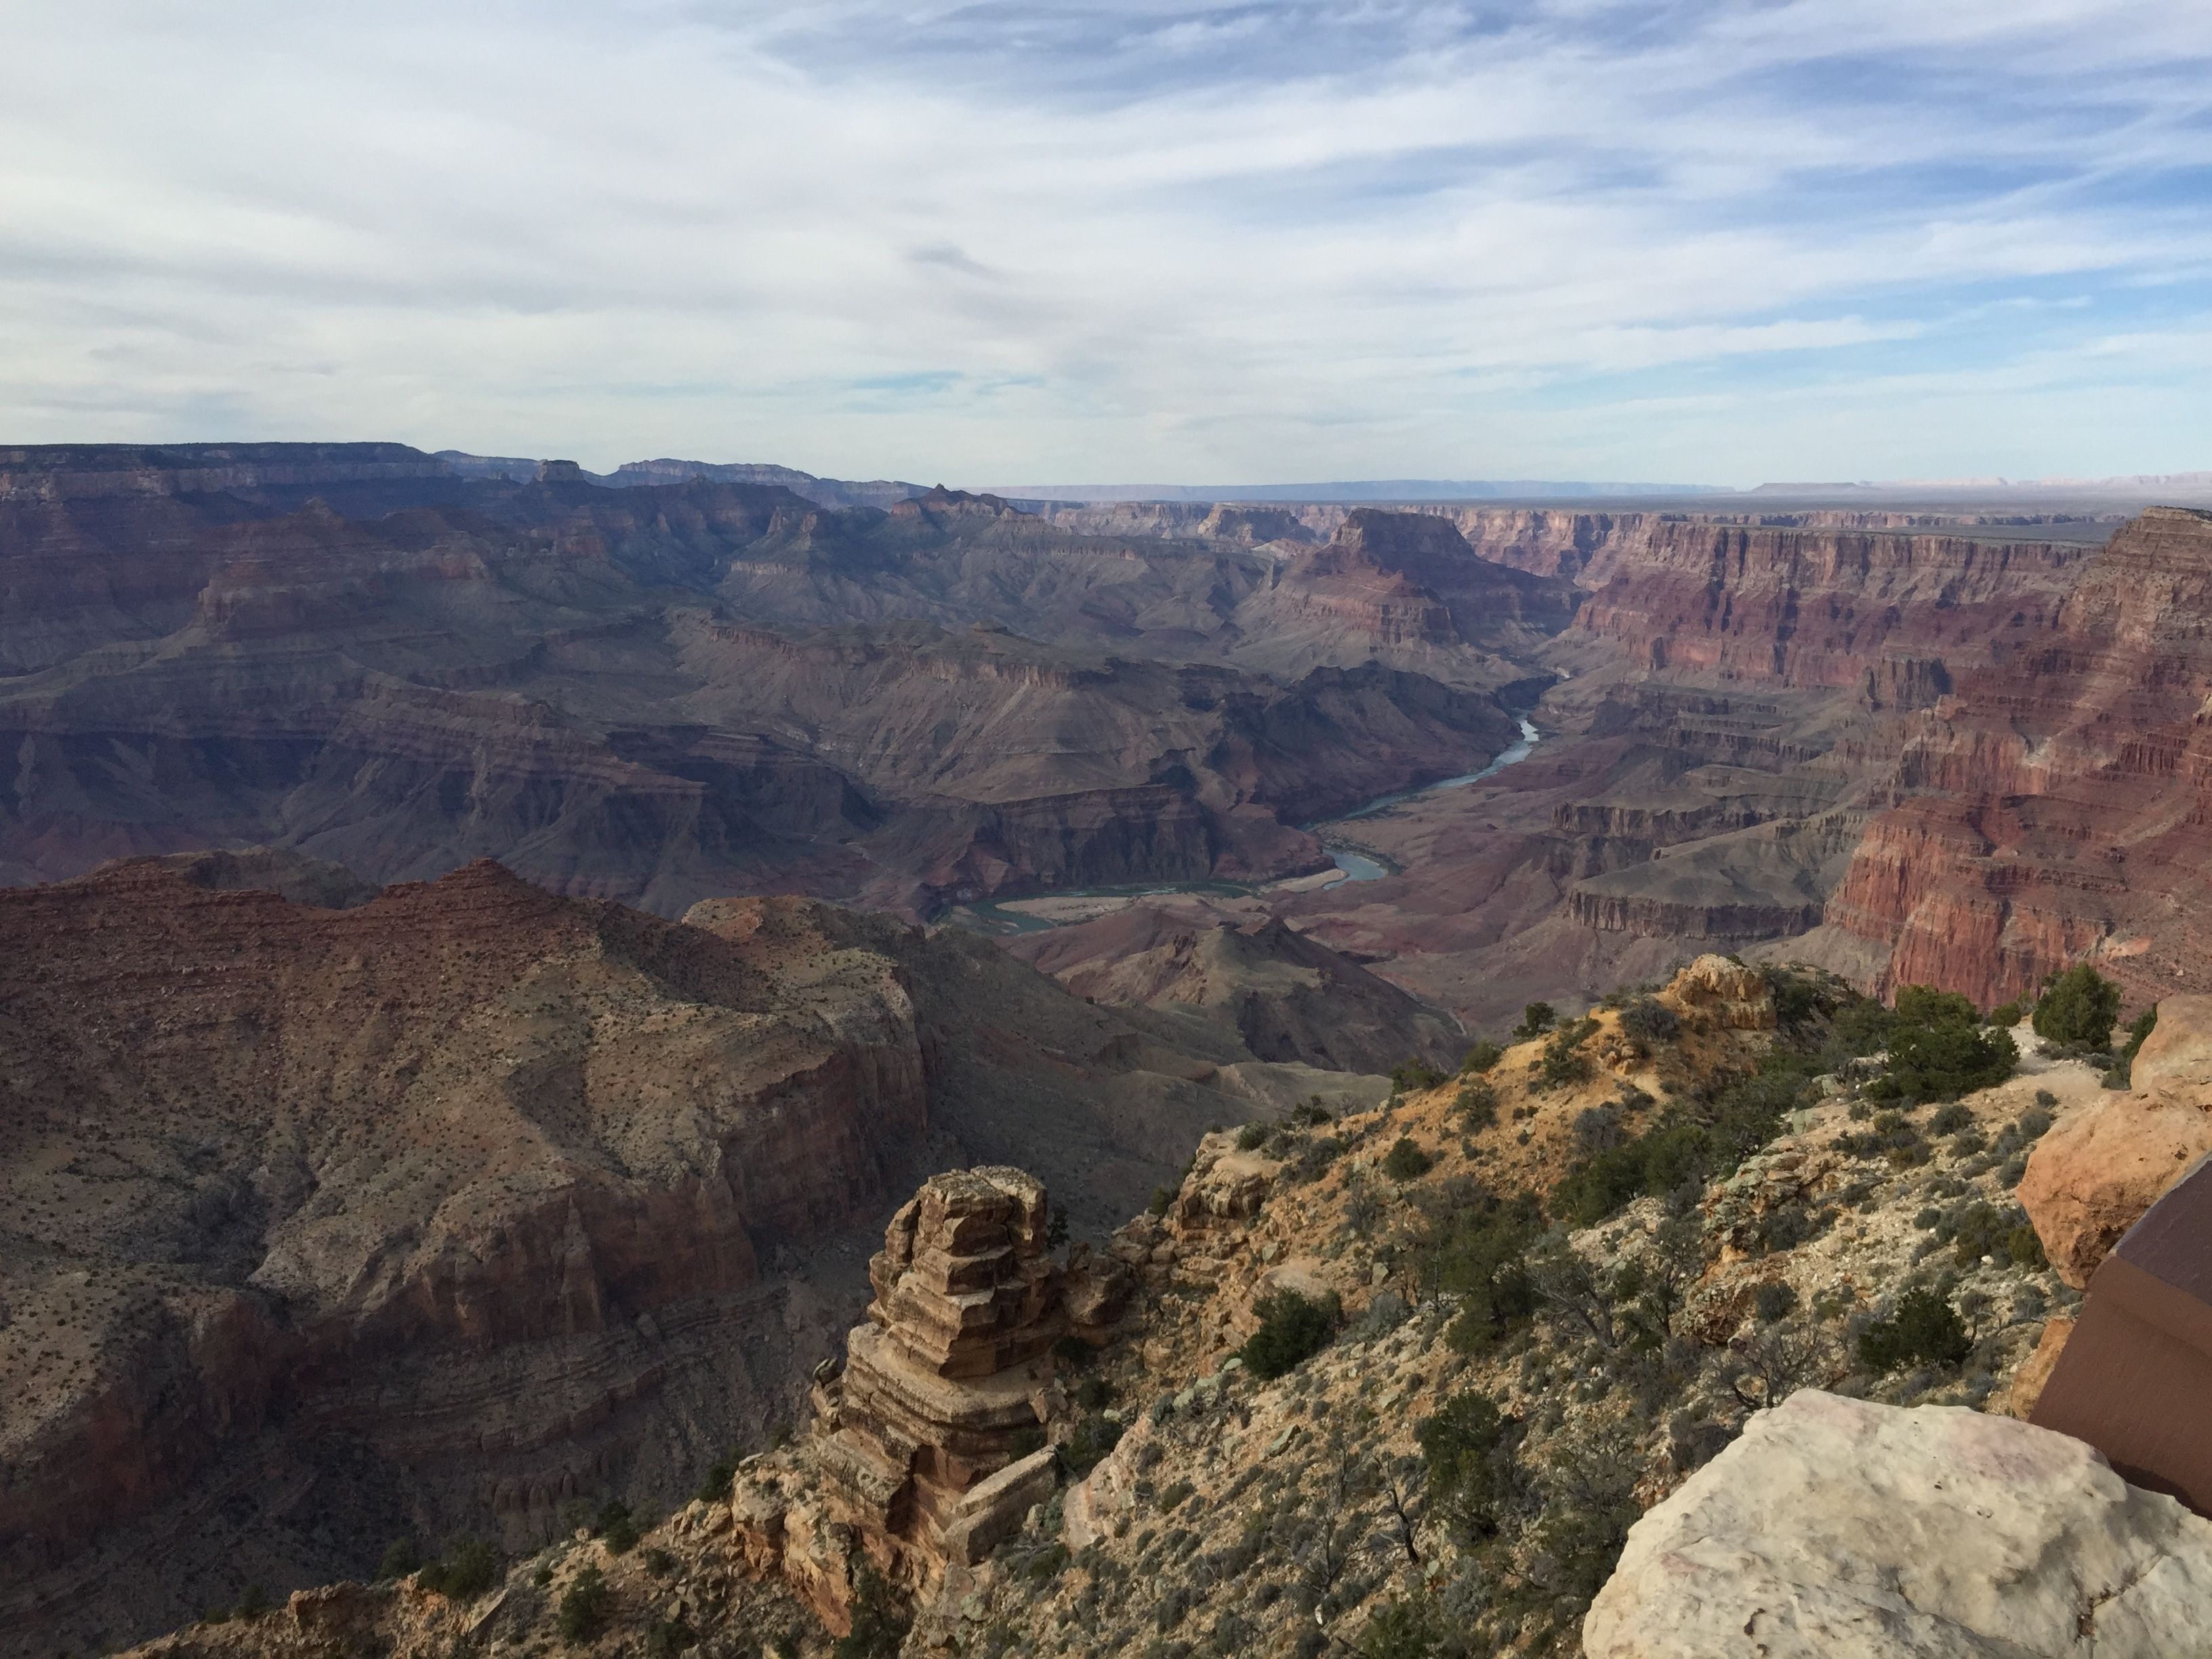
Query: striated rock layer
point(444, 1211)
point(2060, 800)
point(928, 1449)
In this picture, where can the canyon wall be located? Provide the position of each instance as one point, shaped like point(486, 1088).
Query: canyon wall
point(2055, 806)
point(442, 1211)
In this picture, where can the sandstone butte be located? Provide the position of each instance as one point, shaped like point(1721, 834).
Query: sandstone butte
point(927, 1448)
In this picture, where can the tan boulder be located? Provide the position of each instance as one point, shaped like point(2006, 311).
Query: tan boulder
point(1735, 996)
point(1837, 1528)
point(1224, 1191)
point(2093, 1176)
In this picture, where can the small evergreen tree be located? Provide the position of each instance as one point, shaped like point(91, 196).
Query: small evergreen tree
point(2078, 1006)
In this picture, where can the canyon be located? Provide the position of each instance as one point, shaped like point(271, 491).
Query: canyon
point(476, 985)
point(679, 680)
point(333, 1213)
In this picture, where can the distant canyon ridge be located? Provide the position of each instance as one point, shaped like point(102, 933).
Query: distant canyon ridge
point(1908, 744)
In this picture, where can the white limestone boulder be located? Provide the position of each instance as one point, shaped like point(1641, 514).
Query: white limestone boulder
point(1839, 1530)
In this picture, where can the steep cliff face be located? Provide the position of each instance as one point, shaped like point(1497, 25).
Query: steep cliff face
point(551, 677)
point(439, 1212)
point(1891, 615)
point(2058, 801)
point(1409, 587)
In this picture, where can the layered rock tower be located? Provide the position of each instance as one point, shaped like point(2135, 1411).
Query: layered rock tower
point(930, 1445)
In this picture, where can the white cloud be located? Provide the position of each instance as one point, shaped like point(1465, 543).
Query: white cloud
point(1157, 240)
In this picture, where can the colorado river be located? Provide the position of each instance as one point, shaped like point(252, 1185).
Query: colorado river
point(994, 916)
point(1359, 866)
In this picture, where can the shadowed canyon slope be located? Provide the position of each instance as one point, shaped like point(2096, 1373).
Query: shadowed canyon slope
point(442, 1210)
point(660, 693)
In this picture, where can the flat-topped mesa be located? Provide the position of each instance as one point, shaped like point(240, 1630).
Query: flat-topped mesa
point(930, 1446)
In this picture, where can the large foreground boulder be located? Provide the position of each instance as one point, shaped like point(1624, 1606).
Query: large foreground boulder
point(2092, 1177)
point(1839, 1530)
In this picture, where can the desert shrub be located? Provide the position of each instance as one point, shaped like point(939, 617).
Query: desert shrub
point(1893, 1136)
point(1588, 1481)
point(1314, 1159)
point(1475, 1105)
point(1477, 1248)
point(1407, 1628)
point(1924, 1330)
point(1364, 1207)
point(1311, 1113)
point(1385, 1311)
point(1480, 1058)
point(615, 1526)
point(2034, 1124)
point(1467, 1451)
point(401, 1557)
point(1251, 1137)
point(1647, 1021)
point(1937, 1050)
point(1689, 1145)
point(1774, 1300)
point(1161, 1198)
point(666, 1637)
point(1406, 1160)
point(1173, 1497)
point(880, 1620)
point(1292, 1329)
point(2123, 1063)
point(1563, 1064)
point(2006, 1015)
point(1597, 1129)
point(1093, 1438)
point(2078, 1005)
point(715, 1485)
point(252, 1603)
point(1977, 1230)
point(658, 1562)
point(1094, 1392)
point(1536, 1019)
point(585, 1605)
point(1408, 1075)
point(1949, 1120)
point(468, 1570)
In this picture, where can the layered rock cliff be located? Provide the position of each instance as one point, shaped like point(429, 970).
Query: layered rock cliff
point(450, 1209)
point(551, 674)
point(2055, 805)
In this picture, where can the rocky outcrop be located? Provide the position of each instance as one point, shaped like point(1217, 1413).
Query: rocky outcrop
point(1291, 999)
point(472, 1200)
point(2059, 793)
point(2092, 1177)
point(1836, 1529)
point(927, 1447)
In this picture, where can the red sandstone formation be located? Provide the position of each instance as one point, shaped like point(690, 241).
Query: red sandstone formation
point(2092, 1177)
point(927, 1450)
point(2057, 802)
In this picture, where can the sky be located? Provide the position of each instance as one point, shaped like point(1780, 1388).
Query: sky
point(1718, 241)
